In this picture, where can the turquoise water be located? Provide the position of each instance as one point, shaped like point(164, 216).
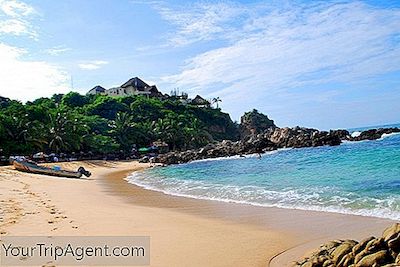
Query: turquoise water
point(360, 178)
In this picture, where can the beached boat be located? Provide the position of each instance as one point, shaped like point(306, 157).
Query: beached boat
point(32, 167)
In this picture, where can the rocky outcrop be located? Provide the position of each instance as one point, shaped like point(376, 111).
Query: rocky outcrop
point(271, 139)
point(383, 251)
point(225, 148)
point(254, 122)
point(374, 134)
point(303, 137)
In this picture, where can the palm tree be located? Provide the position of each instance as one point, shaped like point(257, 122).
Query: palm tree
point(196, 134)
point(169, 130)
point(215, 100)
point(146, 131)
point(58, 132)
point(65, 132)
point(17, 129)
point(122, 128)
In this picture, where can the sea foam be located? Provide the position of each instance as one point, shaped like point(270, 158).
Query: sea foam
point(256, 196)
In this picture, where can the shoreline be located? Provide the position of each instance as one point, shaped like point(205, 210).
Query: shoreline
point(235, 202)
point(184, 232)
point(310, 223)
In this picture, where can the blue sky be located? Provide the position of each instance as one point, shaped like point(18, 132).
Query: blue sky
point(325, 64)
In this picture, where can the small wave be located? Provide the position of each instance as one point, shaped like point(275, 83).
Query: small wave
point(387, 135)
point(237, 156)
point(221, 158)
point(348, 142)
point(355, 134)
point(258, 196)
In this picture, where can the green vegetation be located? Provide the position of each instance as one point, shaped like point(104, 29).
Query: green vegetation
point(102, 124)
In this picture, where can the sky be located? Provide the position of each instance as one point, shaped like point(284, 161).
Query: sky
point(322, 64)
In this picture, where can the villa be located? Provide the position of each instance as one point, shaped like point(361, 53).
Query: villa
point(134, 86)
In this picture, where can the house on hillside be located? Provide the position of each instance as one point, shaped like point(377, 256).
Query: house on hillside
point(200, 102)
point(97, 90)
point(134, 86)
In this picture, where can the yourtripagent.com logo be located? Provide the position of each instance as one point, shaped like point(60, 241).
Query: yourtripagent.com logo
point(74, 250)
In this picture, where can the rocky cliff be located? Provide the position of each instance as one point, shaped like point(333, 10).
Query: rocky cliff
point(254, 122)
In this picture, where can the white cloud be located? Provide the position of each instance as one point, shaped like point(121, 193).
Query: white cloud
point(15, 17)
point(92, 65)
point(28, 80)
point(200, 21)
point(19, 78)
point(281, 47)
point(16, 27)
point(57, 50)
point(14, 8)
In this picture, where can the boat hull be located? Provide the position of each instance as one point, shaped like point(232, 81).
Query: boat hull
point(33, 168)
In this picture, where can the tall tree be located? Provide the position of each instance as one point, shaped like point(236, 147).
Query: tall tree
point(215, 100)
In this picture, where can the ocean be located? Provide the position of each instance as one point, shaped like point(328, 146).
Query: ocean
point(360, 178)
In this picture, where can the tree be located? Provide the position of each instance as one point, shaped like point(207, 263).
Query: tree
point(215, 100)
point(74, 99)
point(106, 107)
point(15, 133)
point(122, 129)
point(196, 134)
point(101, 144)
point(144, 109)
point(65, 133)
point(169, 130)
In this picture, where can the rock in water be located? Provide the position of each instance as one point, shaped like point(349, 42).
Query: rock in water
point(374, 134)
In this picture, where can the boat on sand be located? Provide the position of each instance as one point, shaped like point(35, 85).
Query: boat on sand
point(32, 167)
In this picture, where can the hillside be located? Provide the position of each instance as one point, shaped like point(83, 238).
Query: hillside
point(99, 124)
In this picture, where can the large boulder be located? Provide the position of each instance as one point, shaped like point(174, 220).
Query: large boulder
point(341, 251)
point(361, 246)
point(375, 259)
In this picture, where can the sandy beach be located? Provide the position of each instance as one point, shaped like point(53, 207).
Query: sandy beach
point(183, 231)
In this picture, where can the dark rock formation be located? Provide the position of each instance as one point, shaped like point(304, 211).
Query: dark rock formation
point(254, 122)
point(271, 139)
point(225, 148)
point(303, 137)
point(383, 251)
point(374, 134)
